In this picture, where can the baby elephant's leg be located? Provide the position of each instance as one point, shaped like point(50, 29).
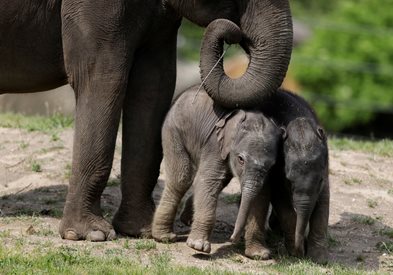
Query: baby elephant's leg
point(187, 213)
point(317, 248)
point(208, 184)
point(286, 215)
point(179, 173)
point(255, 229)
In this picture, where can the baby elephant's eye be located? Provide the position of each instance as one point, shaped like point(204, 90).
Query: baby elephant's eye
point(240, 160)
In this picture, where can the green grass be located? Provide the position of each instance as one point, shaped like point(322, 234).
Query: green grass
point(372, 203)
point(288, 265)
point(387, 232)
point(113, 182)
point(67, 171)
point(366, 220)
point(232, 198)
point(54, 137)
point(385, 247)
point(382, 147)
point(24, 145)
point(36, 167)
point(36, 123)
point(332, 242)
point(360, 258)
point(5, 233)
point(352, 181)
point(49, 258)
point(67, 260)
point(145, 244)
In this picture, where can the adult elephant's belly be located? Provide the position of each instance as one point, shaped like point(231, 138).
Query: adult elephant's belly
point(31, 54)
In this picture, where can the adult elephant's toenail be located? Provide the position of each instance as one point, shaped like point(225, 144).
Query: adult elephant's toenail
point(206, 247)
point(112, 235)
point(96, 236)
point(71, 235)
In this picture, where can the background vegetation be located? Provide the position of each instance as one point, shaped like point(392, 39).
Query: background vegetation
point(345, 69)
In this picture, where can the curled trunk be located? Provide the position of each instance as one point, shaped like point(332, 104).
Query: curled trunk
point(265, 33)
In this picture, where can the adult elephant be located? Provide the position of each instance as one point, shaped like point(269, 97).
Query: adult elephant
point(120, 57)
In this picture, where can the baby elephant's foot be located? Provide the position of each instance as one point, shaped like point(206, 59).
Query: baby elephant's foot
point(258, 252)
point(318, 254)
point(165, 237)
point(199, 245)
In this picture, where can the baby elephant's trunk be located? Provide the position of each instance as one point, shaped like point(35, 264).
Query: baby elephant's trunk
point(248, 196)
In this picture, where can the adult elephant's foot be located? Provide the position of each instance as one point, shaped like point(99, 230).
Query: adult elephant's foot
point(290, 247)
point(318, 254)
point(257, 252)
point(199, 244)
point(134, 221)
point(86, 227)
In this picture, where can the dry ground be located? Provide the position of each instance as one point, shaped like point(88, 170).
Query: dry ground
point(34, 171)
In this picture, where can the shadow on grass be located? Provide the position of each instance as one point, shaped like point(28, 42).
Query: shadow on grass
point(358, 241)
point(43, 201)
point(49, 201)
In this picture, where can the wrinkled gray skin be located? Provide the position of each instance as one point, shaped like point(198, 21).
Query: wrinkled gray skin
point(120, 57)
point(299, 181)
point(205, 145)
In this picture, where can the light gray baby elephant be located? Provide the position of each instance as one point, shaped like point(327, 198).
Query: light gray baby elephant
point(206, 145)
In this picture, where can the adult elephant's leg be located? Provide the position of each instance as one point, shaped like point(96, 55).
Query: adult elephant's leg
point(317, 237)
point(152, 83)
point(94, 142)
point(97, 70)
point(255, 229)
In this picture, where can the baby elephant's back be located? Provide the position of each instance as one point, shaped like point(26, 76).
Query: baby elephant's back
point(192, 118)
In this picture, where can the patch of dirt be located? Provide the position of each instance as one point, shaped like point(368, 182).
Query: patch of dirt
point(360, 214)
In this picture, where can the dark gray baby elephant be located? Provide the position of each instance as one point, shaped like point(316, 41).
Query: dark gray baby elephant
point(299, 181)
point(206, 145)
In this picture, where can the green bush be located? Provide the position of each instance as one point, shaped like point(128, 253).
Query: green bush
point(346, 70)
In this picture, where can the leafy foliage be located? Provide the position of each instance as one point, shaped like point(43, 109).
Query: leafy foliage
point(189, 40)
point(36, 123)
point(346, 69)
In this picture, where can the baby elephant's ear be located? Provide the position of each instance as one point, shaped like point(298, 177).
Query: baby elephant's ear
point(226, 129)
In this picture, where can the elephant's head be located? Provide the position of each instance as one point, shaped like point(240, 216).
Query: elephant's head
point(264, 32)
point(251, 141)
point(306, 162)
